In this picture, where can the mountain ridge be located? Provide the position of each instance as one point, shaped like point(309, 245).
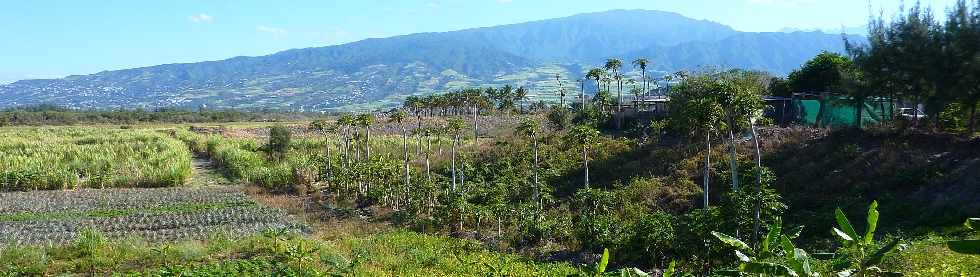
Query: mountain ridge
point(380, 72)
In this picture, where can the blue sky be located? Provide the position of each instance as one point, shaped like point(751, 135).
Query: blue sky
point(46, 39)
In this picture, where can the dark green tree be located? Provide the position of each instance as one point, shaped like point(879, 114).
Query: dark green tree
point(822, 76)
point(278, 145)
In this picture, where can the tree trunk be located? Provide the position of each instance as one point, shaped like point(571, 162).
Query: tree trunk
point(499, 233)
point(327, 144)
point(461, 211)
point(891, 108)
point(619, 106)
point(357, 148)
point(454, 163)
point(476, 124)
point(428, 150)
point(915, 111)
point(537, 186)
point(644, 77)
point(585, 160)
point(598, 87)
point(707, 165)
point(440, 143)
point(405, 148)
point(733, 152)
point(859, 114)
point(418, 131)
point(758, 187)
point(347, 146)
point(881, 111)
point(823, 109)
point(367, 143)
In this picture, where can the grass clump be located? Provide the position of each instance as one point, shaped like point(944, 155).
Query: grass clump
point(392, 253)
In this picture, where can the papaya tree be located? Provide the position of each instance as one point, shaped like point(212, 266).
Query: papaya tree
point(584, 136)
point(398, 116)
point(696, 111)
point(529, 128)
point(454, 126)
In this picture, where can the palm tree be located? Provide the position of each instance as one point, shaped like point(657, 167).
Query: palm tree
point(667, 79)
point(529, 127)
point(605, 81)
point(520, 94)
point(585, 136)
point(642, 64)
point(397, 117)
point(614, 65)
point(594, 74)
point(637, 95)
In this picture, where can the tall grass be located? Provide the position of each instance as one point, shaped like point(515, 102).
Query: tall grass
point(68, 158)
point(246, 160)
point(241, 159)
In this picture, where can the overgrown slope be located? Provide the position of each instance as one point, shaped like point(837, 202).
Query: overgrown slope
point(923, 182)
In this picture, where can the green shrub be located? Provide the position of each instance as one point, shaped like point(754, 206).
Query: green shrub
point(560, 118)
point(278, 145)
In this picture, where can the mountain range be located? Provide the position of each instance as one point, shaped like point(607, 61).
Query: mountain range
point(380, 72)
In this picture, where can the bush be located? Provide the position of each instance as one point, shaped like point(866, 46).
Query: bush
point(591, 116)
point(694, 235)
point(738, 207)
point(954, 118)
point(654, 238)
point(560, 118)
point(279, 137)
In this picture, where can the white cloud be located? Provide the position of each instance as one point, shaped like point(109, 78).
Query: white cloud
point(432, 5)
point(271, 30)
point(200, 18)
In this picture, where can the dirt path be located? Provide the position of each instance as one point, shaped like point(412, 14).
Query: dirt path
point(204, 173)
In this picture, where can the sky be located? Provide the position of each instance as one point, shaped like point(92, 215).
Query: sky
point(52, 39)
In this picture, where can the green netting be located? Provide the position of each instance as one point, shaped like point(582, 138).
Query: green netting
point(841, 113)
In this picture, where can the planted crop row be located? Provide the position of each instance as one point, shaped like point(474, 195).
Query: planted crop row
point(69, 158)
point(236, 221)
point(177, 214)
point(84, 200)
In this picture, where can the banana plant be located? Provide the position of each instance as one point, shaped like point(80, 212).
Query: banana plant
point(775, 256)
point(968, 246)
point(863, 264)
point(599, 269)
